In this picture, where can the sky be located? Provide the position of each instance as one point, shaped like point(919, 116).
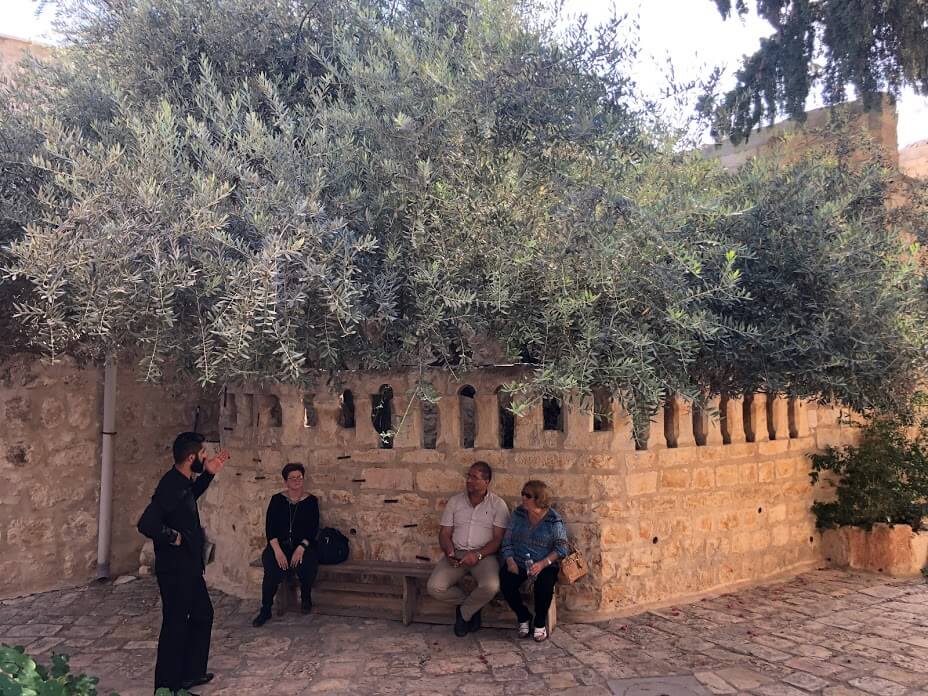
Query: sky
point(690, 32)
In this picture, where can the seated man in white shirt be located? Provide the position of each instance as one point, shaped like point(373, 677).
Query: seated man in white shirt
point(472, 529)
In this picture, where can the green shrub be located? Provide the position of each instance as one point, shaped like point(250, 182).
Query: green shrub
point(883, 479)
point(21, 675)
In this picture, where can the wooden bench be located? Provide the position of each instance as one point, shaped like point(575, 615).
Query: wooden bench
point(329, 592)
point(389, 589)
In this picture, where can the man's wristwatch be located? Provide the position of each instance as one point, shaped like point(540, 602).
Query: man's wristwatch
point(479, 556)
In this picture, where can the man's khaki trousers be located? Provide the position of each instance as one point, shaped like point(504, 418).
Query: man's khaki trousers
point(443, 584)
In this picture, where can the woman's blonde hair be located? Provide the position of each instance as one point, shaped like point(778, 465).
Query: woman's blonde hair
point(541, 492)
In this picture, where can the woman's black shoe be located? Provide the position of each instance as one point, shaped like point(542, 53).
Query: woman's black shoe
point(261, 618)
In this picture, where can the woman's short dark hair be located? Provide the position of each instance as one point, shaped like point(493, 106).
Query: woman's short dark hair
point(290, 468)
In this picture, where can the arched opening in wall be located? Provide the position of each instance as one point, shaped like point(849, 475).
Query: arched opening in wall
point(468, 410)
point(700, 425)
point(792, 416)
point(250, 412)
point(429, 423)
point(771, 423)
point(671, 422)
point(346, 409)
point(552, 414)
point(231, 409)
point(275, 414)
point(507, 421)
point(382, 415)
point(602, 410)
point(747, 416)
point(723, 420)
point(310, 419)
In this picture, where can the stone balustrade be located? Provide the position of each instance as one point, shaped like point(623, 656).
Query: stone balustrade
point(712, 497)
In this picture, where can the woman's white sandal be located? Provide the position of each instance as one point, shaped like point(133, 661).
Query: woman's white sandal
point(524, 629)
point(541, 634)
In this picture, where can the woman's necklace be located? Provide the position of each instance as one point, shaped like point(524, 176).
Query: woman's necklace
point(293, 509)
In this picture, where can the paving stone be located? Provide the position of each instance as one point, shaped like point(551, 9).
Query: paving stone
point(826, 632)
point(714, 683)
point(878, 686)
point(806, 681)
point(658, 686)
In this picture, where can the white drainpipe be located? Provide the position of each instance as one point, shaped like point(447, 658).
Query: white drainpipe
point(105, 520)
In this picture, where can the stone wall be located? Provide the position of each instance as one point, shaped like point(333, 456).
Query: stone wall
point(880, 124)
point(913, 160)
point(12, 50)
point(50, 467)
point(657, 523)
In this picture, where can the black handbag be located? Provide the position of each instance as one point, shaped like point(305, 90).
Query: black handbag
point(332, 546)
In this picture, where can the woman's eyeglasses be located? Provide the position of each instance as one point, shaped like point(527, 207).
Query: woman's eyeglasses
point(294, 478)
point(526, 494)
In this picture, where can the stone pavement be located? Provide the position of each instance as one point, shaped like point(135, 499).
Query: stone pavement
point(825, 632)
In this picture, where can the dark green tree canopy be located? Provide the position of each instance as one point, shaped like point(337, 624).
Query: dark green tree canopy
point(868, 46)
point(372, 184)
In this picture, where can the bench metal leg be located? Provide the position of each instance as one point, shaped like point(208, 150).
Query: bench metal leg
point(410, 597)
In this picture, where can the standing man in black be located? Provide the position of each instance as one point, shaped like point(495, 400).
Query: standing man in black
point(172, 522)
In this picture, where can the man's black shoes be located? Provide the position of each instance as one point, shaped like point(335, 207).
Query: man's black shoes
point(261, 619)
point(461, 626)
point(474, 624)
point(199, 681)
point(306, 605)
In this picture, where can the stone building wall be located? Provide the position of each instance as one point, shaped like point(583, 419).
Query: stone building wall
point(12, 50)
point(656, 523)
point(880, 124)
point(50, 467)
point(913, 160)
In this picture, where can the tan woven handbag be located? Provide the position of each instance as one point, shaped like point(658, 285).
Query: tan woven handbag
point(573, 566)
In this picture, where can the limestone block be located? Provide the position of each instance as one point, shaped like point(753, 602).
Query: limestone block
point(683, 414)
point(408, 422)
point(529, 429)
point(778, 416)
point(799, 418)
point(578, 427)
point(773, 447)
point(766, 471)
point(784, 468)
point(758, 412)
point(704, 477)
point(608, 487)
point(641, 483)
point(712, 423)
point(387, 479)
point(657, 438)
point(733, 410)
point(487, 421)
point(443, 481)
point(675, 478)
point(30, 533)
point(449, 423)
point(677, 456)
point(780, 535)
point(748, 473)
point(727, 475)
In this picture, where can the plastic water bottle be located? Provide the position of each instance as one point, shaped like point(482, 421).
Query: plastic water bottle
point(528, 569)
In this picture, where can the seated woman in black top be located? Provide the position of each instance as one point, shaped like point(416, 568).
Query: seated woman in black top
point(292, 525)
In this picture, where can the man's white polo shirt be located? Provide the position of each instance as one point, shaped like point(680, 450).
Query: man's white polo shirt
point(473, 526)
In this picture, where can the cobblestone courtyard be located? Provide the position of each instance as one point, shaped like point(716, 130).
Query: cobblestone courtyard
point(824, 632)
